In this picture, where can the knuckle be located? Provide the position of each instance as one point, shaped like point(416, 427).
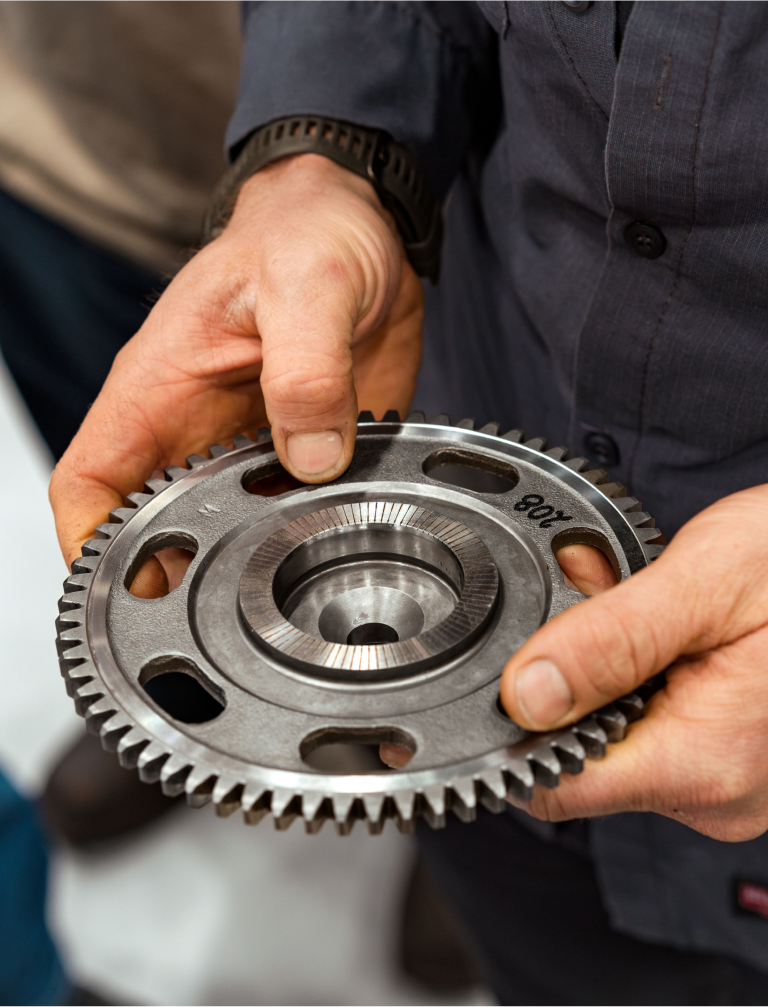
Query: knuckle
point(306, 392)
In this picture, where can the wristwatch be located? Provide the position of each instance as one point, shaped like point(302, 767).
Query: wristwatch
point(372, 153)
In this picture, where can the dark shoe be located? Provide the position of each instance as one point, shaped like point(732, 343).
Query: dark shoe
point(89, 797)
point(434, 950)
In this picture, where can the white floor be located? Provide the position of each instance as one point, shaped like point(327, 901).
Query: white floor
point(195, 910)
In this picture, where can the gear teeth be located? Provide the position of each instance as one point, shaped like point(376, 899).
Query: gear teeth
point(241, 441)
point(592, 736)
point(493, 791)
point(365, 416)
point(98, 713)
point(520, 778)
point(79, 581)
point(613, 490)
point(173, 776)
point(121, 514)
point(130, 747)
point(627, 505)
point(107, 530)
point(356, 814)
point(375, 828)
point(281, 807)
point(468, 423)
point(391, 416)
point(87, 694)
point(559, 454)
point(199, 786)
point(546, 766)
point(536, 443)
point(491, 428)
point(434, 806)
point(263, 434)
point(342, 805)
point(640, 518)
point(613, 722)
point(151, 761)
point(647, 534)
point(577, 464)
point(374, 810)
point(224, 787)
point(140, 498)
point(85, 564)
point(516, 436)
point(441, 420)
point(311, 803)
point(155, 486)
point(404, 804)
point(570, 753)
point(217, 451)
point(416, 417)
point(230, 802)
point(653, 551)
point(464, 804)
point(173, 472)
point(113, 729)
point(94, 547)
point(595, 476)
point(255, 803)
point(195, 461)
point(631, 706)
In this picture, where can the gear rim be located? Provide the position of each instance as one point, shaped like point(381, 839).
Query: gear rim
point(538, 758)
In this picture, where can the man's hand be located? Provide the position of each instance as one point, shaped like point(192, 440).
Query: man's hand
point(700, 755)
point(304, 311)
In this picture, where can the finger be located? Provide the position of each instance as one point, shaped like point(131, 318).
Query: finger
point(386, 363)
point(395, 756)
point(586, 568)
point(716, 790)
point(307, 382)
point(602, 648)
point(151, 581)
point(80, 505)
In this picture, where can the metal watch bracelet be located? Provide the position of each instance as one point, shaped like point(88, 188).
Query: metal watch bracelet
point(372, 153)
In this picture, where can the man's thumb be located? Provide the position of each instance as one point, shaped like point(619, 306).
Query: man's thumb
point(309, 392)
point(599, 650)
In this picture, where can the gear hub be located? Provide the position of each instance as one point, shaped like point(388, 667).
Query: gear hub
point(378, 608)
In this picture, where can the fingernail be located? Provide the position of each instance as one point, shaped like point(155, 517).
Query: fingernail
point(543, 693)
point(316, 452)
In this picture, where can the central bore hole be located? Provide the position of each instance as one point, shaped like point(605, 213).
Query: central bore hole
point(368, 585)
point(371, 633)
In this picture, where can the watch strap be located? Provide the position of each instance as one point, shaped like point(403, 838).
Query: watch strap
point(372, 153)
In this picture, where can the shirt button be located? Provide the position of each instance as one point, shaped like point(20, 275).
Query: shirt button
point(577, 5)
point(645, 239)
point(602, 447)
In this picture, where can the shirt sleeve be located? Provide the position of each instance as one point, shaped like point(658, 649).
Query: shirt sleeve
point(408, 68)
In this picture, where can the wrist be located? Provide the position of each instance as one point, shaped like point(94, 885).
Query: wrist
point(368, 153)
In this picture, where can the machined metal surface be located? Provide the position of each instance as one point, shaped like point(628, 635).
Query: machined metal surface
point(379, 608)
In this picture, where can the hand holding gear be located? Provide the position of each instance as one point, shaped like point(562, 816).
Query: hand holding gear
point(701, 611)
point(306, 288)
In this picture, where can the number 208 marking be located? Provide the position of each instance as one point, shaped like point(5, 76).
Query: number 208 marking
point(537, 510)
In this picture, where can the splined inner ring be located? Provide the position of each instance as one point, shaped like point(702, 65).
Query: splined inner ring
point(369, 591)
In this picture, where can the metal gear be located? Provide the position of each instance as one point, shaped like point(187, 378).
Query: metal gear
point(381, 607)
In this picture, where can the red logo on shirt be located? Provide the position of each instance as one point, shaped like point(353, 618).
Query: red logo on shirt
point(752, 898)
